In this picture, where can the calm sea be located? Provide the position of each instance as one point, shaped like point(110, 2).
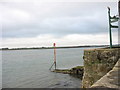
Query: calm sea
point(30, 68)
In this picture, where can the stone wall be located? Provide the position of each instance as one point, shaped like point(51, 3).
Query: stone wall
point(97, 62)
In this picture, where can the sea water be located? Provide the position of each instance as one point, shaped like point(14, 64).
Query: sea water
point(30, 68)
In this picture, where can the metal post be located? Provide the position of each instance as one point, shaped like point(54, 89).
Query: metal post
point(110, 34)
point(54, 55)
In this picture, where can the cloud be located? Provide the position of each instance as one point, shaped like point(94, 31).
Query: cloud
point(33, 19)
point(59, 1)
point(68, 40)
point(28, 24)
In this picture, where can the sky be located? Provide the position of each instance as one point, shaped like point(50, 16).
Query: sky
point(38, 24)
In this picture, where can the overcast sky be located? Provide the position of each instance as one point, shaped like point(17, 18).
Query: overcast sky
point(36, 24)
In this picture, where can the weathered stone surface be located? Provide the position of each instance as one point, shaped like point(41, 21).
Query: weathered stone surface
point(111, 79)
point(97, 62)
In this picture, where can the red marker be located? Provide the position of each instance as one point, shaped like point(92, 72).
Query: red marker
point(54, 44)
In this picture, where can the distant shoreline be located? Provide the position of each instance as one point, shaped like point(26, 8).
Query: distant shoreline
point(53, 47)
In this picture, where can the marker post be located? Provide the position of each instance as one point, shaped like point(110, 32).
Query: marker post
point(54, 55)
